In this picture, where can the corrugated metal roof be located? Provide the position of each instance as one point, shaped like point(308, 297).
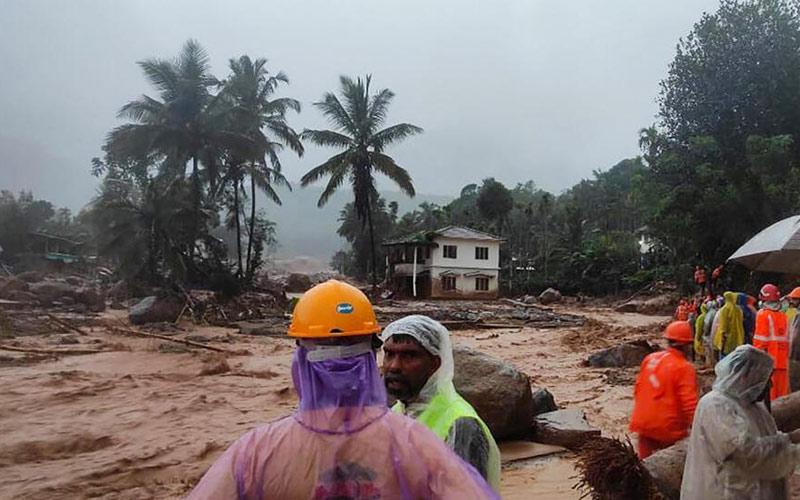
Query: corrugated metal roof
point(465, 233)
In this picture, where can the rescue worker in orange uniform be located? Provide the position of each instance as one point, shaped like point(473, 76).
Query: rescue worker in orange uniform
point(665, 394)
point(700, 278)
point(772, 337)
point(682, 311)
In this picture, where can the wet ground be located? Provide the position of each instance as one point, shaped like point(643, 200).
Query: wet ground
point(145, 420)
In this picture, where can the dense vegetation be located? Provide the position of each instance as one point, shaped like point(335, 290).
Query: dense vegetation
point(181, 176)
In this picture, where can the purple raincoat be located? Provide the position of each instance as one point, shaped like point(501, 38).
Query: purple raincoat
point(341, 444)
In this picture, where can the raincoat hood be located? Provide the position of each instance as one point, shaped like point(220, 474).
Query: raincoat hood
point(744, 373)
point(730, 333)
point(435, 339)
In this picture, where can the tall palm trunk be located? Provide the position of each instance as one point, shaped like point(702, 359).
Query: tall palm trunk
point(252, 230)
point(196, 204)
point(238, 225)
point(372, 245)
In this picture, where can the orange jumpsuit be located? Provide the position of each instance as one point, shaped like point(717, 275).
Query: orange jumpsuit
point(664, 400)
point(772, 336)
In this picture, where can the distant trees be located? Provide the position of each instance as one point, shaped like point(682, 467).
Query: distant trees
point(357, 120)
point(723, 161)
point(152, 218)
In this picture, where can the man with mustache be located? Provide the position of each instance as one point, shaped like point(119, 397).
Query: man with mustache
point(418, 371)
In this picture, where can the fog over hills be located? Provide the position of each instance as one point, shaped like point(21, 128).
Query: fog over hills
point(304, 229)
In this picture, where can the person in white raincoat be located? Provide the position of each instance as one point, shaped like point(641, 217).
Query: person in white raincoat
point(735, 449)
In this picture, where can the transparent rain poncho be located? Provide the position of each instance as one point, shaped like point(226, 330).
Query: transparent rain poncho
point(439, 406)
point(341, 444)
point(735, 450)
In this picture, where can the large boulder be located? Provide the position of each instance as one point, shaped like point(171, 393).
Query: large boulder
point(13, 285)
point(549, 296)
point(30, 276)
point(95, 301)
point(499, 392)
point(153, 309)
point(629, 354)
point(567, 428)
point(298, 283)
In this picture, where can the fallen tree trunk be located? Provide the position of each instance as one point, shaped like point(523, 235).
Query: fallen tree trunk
point(666, 466)
point(170, 339)
point(33, 350)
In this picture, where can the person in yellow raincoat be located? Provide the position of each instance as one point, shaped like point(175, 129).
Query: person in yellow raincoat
point(729, 332)
point(699, 351)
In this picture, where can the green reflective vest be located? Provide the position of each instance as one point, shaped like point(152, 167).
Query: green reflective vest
point(440, 414)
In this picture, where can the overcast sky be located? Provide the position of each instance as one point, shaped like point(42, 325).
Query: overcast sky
point(525, 89)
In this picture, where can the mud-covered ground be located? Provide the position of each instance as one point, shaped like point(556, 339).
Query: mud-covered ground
point(145, 420)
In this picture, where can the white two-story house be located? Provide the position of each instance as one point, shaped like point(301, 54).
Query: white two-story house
point(451, 262)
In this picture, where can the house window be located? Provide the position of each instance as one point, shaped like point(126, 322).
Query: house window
point(448, 282)
point(419, 254)
point(481, 253)
point(482, 284)
point(449, 251)
point(427, 253)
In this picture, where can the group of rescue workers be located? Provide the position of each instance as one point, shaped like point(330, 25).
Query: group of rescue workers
point(735, 449)
point(345, 443)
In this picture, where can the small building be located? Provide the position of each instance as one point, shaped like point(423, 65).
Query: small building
point(451, 262)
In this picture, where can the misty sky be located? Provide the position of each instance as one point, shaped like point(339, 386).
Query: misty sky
point(518, 90)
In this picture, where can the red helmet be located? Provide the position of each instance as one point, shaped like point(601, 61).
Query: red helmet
point(770, 293)
point(679, 331)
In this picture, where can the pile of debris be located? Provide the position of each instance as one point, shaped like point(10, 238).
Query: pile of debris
point(69, 293)
point(656, 299)
point(598, 335)
point(455, 314)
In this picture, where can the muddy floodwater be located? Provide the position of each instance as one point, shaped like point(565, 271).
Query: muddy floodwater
point(146, 419)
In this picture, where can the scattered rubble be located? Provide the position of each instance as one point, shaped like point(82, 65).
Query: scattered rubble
point(598, 335)
point(567, 428)
point(628, 354)
point(153, 309)
point(499, 392)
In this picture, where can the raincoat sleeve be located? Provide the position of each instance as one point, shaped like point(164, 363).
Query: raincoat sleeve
point(686, 390)
point(219, 482)
point(449, 477)
point(757, 458)
point(468, 441)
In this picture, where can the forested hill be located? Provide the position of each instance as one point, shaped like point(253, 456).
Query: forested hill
point(304, 229)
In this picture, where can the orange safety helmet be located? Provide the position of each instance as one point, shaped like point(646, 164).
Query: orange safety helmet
point(795, 294)
point(680, 331)
point(333, 309)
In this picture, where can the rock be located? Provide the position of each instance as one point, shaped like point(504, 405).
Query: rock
point(50, 291)
point(153, 309)
point(30, 276)
point(298, 283)
point(543, 401)
point(567, 428)
point(68, 340)
point(13, 285)
point(499, 392)
point(627, 307)
point(20, 296)
point(666, 467)
point(530, 299)
point(75, 281)
point(520, 314)
point(94, 300)
point(550, 296)
point(118, 292)
point(629, 354)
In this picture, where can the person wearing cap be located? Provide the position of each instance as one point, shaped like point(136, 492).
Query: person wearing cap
point(735, 450)
point(342, 442)
point(665, 393)
point(418, 371)
point(794, 302)
point(772, 337)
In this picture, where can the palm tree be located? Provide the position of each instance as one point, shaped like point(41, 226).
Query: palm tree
point(263, 120)
point(357, 121)
point(185, 119)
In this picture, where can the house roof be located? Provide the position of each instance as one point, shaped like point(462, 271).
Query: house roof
point(456, 232)
point(465, 233)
